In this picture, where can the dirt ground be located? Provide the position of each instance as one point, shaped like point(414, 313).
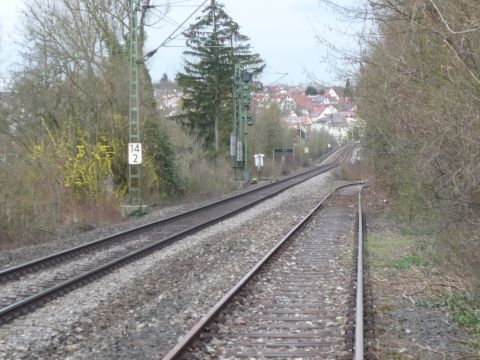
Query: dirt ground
point(410, 295)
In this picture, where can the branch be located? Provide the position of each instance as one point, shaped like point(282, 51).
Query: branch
point(446, 23)
point(449, 45)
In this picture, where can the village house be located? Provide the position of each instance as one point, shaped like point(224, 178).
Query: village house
point(326, 111)
point(301, 124)
point(168, 102)
point(293, 121)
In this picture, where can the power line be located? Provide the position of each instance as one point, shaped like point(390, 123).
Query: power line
point(173, 22)
point(161, 16)
point(280, 78)
point(166, 18)
point(276, 72)
point(171, 36)
point(176, 4)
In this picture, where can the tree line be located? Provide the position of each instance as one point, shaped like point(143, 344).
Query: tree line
point(418, 88)
point(67, 119)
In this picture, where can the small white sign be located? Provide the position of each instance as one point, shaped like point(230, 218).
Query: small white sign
point(233, 145)
point(307, 150)
point(239, 151)
point(259, 160)
point(134, 153)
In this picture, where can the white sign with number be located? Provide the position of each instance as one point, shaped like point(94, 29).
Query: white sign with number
point(134, 153)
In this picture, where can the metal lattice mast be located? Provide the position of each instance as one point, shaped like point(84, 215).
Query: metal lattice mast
point(235, 140)
point(134, 195)
point(241, 120)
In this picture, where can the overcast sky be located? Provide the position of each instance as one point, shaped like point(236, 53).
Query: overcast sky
point(281, 31)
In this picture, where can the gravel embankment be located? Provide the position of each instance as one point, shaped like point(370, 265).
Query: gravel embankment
point(139, 311)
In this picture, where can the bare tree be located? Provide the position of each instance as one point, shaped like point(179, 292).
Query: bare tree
point(418, 89)
point(69, 116)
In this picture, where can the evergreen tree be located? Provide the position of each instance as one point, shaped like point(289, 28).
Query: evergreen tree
point(311, 91)
point(215, 46)
point(162, 157)
point(348, 89)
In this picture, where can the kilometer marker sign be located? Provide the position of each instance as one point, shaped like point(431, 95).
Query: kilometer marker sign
point(134, 153)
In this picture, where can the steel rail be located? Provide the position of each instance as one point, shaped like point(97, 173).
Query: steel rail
point(12, 310)
point(359, 342)
point(29, 267)
point(192, 334)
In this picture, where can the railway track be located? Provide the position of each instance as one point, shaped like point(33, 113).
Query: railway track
point(298, 302)
point(27, 286)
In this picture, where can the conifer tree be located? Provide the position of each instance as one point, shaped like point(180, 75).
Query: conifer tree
point(215, 46)
point(310, 90)
point(348, 89)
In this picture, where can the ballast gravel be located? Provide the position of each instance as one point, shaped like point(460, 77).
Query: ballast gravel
point(296, 306)
point(14, 257)
point(141, 310)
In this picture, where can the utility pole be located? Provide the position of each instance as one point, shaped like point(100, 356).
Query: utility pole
point(241, 120)
point(134, 144)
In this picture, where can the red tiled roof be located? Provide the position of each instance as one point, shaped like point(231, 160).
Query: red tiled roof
point(303, 102)
point(296, 90)
point(295, 120)
point(319, 108)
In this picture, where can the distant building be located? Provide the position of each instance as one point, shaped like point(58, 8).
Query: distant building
point(297, 122)
point(332, 96)
point(168, 102)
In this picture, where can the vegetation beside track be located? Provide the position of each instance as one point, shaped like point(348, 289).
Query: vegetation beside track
point(421, 310)
point(418, 93)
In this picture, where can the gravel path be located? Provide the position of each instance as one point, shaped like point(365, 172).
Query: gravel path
point(139, 311)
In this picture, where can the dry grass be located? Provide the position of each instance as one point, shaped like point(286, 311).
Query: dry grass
point(203, 177)
point(415, 301)
point(36, 207)
point(458, 251)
